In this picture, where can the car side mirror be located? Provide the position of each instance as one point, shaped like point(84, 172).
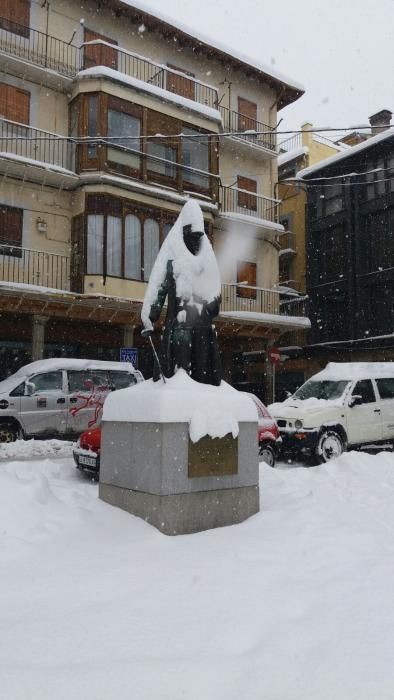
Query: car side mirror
point(30, 388)
point(355, 400)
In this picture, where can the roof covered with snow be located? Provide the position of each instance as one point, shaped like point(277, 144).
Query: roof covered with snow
point(348, 153)
point(292, 155)
point(293, 90)
point(338, 371)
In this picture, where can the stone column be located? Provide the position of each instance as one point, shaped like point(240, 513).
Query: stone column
point(38, 337)
point(128, 336)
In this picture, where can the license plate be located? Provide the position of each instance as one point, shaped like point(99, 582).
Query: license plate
point(87, 461)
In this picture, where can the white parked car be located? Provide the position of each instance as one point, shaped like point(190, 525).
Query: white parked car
point(59, 396)
point(347, 405)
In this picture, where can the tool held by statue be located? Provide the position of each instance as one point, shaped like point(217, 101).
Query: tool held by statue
point(155, 355)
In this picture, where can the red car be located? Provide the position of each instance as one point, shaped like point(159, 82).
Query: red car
point(87, 450)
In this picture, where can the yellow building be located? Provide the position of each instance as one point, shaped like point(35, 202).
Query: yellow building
point(300, 151)
point(108, 123)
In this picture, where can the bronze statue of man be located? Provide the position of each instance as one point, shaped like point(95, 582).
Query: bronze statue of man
point(186, 273)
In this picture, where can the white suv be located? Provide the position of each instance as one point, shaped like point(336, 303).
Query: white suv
point(349, 404)
point(59, 397)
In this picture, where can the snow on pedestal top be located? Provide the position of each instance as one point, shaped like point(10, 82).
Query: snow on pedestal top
point(209, 410)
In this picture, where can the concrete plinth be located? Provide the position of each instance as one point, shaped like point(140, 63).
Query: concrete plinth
point(152, 470)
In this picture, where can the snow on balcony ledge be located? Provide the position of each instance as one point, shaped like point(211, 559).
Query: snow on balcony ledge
point(253, 221)
point(184, 102)
point(268, 319)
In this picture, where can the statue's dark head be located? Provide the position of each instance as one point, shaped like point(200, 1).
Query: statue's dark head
point(192, 239)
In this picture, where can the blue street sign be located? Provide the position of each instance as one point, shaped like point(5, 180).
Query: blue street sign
point(129, 355)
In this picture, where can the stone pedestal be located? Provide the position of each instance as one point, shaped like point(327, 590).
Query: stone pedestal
point(155, 472)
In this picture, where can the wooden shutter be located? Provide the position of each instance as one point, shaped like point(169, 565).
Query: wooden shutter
point(99, 55)
point(246, 273)
point(14, 104)
point(180, 84)
point(11, 226)
point(248, 201)
point(247, 114)
point(15, 16)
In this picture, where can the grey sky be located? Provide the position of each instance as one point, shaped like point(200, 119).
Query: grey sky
point(341, 51)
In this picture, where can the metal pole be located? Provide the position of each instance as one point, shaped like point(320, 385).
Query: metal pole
point(157, 359)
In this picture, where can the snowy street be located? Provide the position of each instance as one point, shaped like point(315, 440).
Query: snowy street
point(294, 603)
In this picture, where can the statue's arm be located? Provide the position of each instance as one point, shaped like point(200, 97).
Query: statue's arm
point(214, 306)
point(156, 307)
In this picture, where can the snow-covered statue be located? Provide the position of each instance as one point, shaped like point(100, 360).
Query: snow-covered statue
point(187, 273)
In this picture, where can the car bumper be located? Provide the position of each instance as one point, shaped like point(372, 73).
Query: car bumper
point(86, 463)
point(299, 442)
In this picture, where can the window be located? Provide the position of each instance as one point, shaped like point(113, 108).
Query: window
point(379, 239)
point(87, 381)
point(50, 381)
point(123, 240)
point(245, 200)
point(246, 275)
point(114, 246)
point(95, 244)
point(124, 129)
point(386, 388)
point(15, 16)
point(132, 248)
point(247, 114)
point(11, 228)
point(163, 159)
point(329, 199)
point(180, 84)
point(151, 245)
point(14, 104)
point(376, 185)
point(100, 54)
point(121, 380)
point(364, 389)
point(195, 155)
point(332, 256)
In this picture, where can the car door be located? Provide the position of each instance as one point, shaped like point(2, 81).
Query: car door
point(87, 391)
point(385, 388)
point(45, 410)
point(364, 420)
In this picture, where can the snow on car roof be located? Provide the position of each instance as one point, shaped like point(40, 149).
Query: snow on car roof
point(337, 371)
point(54, 363)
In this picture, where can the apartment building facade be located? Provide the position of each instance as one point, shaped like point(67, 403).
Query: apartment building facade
point(108, 123)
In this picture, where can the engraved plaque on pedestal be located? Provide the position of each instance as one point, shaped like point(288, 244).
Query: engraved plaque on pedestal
point(213, 457)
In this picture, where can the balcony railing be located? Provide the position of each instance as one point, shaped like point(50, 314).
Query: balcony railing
point(48, 52)
point(241, 297)
point(34, 267)
point(253, 132)
point(27, 142)
point(287, 243)
point(238, 201)
point(39, 48)
point(289, 144)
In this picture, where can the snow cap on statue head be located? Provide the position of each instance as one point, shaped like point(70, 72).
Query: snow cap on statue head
point(195, 273)
point(192, 226)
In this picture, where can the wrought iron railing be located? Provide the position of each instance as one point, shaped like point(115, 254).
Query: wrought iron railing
point(55, 54)
point(27, 142)
point(39, 48)
point(288, 144)
point(156, 74)
point(239, 201)
point(242, 297)
point(34, 267)
point(253, 131)
point(288, 243)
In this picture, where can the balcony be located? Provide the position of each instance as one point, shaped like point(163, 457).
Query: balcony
point(256, 305)
point(23, 146)
point(290, 144)
point(243, 203)
point(24, 266)
point(257, 134)
point(288, 244)
point(64, 59)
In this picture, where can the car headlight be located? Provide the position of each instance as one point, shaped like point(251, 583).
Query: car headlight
point(298, 424)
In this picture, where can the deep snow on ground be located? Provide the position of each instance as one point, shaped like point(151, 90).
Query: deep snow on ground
point(26, 449)
point(294, 604)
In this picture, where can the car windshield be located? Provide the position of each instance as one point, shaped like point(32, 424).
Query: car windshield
point(328, 390)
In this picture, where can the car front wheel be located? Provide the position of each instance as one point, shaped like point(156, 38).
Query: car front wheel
point(267, 454)
point(330, 446)
point(9, 432)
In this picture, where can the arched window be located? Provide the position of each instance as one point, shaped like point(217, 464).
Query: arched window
point(151, 245)
point(132, 247)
